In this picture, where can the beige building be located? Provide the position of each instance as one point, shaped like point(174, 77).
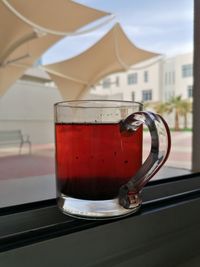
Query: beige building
point(153, 80)
point(178, 76)
point(140, 83)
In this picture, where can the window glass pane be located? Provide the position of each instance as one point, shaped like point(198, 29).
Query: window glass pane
point(132, 78)
point(166, 78)
point(146, 77)
point(190, 94)
point(187, 70)
point(146, 95)
point(133, 96)
point(173, 77)
point(163, 83)
point(117, 81)
point(106, 83)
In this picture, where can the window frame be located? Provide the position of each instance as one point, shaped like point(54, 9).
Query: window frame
point(196, 91)
point(140, 240)
point(32, 223)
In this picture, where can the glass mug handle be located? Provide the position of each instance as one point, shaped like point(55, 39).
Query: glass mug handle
point(159, 152)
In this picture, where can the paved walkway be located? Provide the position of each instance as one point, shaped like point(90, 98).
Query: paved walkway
point(181, 149)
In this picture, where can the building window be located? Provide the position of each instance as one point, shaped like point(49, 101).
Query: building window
point(132, 78)
point(133, 96)
point(146, 95)
point(146, 76)
point(173, 77)
point(187, 70)
point(166, 78)
point(117, 81)
point(190, 91)
point(106, 83)
point(169, 78)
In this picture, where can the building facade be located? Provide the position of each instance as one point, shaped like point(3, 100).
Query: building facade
point(152, 81)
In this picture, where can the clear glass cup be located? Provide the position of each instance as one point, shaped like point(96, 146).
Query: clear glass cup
point(99, 169)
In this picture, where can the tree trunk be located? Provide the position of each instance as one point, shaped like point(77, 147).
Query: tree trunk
point(185, 121)
point(176, 128)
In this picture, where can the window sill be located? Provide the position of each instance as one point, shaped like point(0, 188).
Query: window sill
point(35, 222)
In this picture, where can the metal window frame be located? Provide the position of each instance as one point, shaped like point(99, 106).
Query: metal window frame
point(166, 235)
point(196, 90)
point(32, 223)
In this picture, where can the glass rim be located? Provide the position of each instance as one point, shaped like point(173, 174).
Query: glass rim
point(82, 103)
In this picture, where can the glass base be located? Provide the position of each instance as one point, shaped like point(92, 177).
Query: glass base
point(95, 209)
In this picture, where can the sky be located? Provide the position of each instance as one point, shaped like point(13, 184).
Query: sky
point(161, 26)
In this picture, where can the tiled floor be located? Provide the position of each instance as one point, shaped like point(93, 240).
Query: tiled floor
point(181, 149)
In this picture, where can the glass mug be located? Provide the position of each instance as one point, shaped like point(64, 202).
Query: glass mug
point(99, 169)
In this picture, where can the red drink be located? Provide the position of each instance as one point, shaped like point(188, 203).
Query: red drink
point(94, 160)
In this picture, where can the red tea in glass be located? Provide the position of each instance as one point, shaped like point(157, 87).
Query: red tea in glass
point(95, 160)
point(99, 168)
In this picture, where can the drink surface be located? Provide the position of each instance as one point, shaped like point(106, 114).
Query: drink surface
point(94, 160)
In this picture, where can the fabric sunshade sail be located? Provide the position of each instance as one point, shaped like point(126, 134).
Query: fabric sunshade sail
point(21, 44)
point(113, 53)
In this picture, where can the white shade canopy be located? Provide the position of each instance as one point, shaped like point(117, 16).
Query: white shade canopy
point(22, 42)
point(113, 53)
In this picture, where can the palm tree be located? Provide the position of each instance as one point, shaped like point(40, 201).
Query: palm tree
point(181, 108)
point(186, 107)
point(161, 108)
point(147, 105)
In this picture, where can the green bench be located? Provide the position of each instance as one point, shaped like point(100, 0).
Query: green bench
point(12, 137)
